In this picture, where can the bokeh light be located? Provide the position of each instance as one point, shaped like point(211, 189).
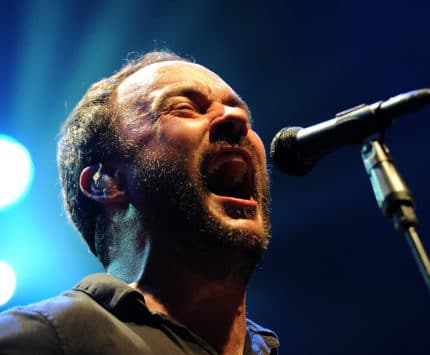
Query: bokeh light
point(18, 171)
point(7, 282)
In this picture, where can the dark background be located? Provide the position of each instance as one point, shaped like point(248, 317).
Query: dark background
point(337, 278)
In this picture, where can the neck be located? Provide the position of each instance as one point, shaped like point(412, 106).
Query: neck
point(206, 293)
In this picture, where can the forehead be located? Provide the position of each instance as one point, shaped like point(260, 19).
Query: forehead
point(157, 77)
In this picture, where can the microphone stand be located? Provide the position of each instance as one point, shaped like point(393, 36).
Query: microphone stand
point(394, 199)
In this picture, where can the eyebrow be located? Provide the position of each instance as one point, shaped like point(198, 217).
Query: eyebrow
point(191, 92)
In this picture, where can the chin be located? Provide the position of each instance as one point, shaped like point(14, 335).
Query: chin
point(238, 223)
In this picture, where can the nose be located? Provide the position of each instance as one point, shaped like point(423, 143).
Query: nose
point(231, 127)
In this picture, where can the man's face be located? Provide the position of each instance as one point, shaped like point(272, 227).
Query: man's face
point(197, 171)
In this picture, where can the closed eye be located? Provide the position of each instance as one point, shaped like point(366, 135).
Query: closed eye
point(183, 106)
point(184, 109)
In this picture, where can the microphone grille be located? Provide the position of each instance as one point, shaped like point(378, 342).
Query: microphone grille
point(285, 154)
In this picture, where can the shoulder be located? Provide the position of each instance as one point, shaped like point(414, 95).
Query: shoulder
point(52, 326)
point(30, 329)
point(77, 321)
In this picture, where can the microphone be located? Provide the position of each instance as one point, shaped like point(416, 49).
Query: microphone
point(295, 150)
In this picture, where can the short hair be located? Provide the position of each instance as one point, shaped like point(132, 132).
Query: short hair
point(87, 137)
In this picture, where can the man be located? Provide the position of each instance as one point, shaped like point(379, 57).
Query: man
point(166, 181)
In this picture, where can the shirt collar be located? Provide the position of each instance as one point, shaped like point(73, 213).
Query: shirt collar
point(115, 295)
point(263, 340)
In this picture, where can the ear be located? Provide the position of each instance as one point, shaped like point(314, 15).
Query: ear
point(102, 185)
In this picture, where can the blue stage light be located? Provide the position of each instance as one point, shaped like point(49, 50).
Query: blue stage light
point(7, 282)
point(17, 171)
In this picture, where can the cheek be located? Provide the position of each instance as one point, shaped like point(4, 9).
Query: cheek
point(185, 135)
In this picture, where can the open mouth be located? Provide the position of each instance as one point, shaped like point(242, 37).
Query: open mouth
point(228, 173)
